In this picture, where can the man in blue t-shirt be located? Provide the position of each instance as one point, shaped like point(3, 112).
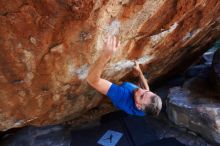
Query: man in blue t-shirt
point(128, 97)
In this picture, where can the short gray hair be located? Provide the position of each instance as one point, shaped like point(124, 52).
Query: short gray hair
point(154, 108)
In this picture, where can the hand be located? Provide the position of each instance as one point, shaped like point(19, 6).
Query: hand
point(137, 67)
point(111, 45)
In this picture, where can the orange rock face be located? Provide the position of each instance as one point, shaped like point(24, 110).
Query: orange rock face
point(47, 47)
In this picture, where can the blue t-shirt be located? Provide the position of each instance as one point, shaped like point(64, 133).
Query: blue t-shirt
point(122, 97)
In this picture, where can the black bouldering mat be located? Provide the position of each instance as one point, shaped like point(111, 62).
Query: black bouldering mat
point(118, 129)
point(113, 134)
point(165, 142)
point(110, 132)
point(137, 128)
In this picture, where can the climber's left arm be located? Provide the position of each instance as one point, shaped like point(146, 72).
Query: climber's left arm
point(143, 80)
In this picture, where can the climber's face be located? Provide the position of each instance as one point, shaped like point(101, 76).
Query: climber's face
point(142, 97)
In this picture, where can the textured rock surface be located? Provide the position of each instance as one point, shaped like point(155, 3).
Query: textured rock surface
point(195, 111)
point(47, 47)
point(54, 135)
point(216, 70)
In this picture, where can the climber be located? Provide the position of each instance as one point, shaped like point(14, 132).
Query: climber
point(128, 97)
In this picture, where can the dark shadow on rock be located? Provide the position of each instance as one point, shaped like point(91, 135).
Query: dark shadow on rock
point(54, 135)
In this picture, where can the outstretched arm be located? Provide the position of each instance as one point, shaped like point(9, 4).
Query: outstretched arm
point(142, 79)
point(94, 76)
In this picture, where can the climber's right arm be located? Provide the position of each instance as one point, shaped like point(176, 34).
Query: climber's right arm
point(94, 76)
